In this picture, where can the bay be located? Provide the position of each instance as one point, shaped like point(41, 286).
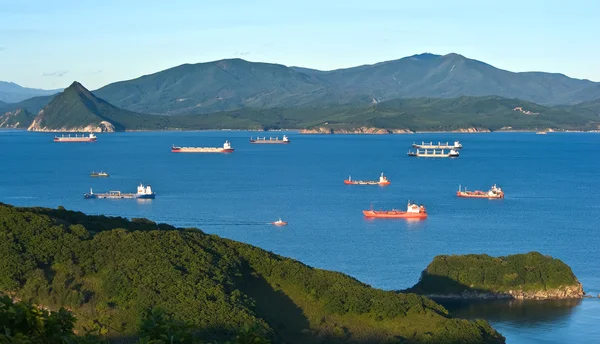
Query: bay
point(552, 202)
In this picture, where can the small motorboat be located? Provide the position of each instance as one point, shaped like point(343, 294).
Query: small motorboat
point(279, 223)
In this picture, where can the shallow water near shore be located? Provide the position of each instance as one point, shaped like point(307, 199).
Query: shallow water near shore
point(552, 203)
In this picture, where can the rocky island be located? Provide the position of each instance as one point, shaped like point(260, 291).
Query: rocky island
point(479, 276)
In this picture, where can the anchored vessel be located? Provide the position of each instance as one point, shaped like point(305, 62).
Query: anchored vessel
point(279, 223)
point(382, 181)
point(143, 192)
point(439, 145)
point(413, 211)
point(271, 140)
point(433, 153)
point(541, 133)
point(76, 138)
point(225, 149)
point(98, 174)
point(494, 192)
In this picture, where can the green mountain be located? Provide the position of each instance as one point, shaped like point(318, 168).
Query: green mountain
point(110, 272)
point(13, 93)
point(234, 84)
point(32, 105)
point(215, 86)
point(17, 119)
point(77, 109)
point(530, 275)
point(453, 75)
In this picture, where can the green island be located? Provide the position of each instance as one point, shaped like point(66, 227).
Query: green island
point(136, 281)
point(518, 276)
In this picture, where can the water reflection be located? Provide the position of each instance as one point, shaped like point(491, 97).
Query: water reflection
point(518, 313)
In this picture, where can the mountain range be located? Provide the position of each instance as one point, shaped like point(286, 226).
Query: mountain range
point(13, 93)
point(422, 92)
point(235, 83)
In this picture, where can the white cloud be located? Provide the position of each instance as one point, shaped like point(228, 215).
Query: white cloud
point(56, 74)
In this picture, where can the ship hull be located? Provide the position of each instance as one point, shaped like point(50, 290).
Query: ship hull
point(393, 214)
point(59, 139)
point(470, 195)
point(360, 182)
point(270, 142)
point(121, 196)
point(434, 156)
point(216, 150)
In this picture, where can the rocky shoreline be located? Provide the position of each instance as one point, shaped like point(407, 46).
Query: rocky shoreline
point(567, 292)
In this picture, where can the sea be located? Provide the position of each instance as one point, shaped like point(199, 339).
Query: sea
point(551, 204)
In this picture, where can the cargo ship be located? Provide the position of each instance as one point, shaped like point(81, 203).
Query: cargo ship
point(494, 192)
point(225, 149)
point(382, 181)
point(271, 140)
point(433, 153)
point(143, 192)
point(98, 174)
point(76, 138)
point(439, 145)
point(413, 211)
point(279, 223)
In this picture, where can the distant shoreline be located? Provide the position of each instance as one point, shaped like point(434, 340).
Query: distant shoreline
point(298, 131)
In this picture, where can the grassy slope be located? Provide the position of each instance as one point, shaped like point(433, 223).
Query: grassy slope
point(528, 272)
point(109, 276)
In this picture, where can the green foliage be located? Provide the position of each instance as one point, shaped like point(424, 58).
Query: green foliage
point(200, 288)
point(479, 272)
point(23, 323)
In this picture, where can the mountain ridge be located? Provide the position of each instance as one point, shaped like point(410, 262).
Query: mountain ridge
point(11, 92)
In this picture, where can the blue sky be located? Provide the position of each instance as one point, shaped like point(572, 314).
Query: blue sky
point(50, 43)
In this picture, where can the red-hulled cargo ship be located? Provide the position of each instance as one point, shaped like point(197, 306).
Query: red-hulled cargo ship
point(382, 181)
point(494, 193)
point(413, 211)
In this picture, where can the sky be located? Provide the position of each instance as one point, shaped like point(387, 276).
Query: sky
point(51, 43)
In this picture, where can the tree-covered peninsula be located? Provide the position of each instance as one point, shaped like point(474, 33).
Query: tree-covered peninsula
point(112, 274)
point(519, 276)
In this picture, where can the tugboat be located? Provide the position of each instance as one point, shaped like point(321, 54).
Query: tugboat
point(271, 140)
point(98, 174)
point(494, 193)
point(413, 211)
point(279, 223)
point(143, 192)
point(426, 153)
point(226, 149)
point(69, 138)
point(383, 181)
point(439, 145)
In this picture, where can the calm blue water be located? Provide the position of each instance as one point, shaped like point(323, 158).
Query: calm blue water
point(552, 202)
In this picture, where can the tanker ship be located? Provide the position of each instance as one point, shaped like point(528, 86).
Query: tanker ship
point(225, 149)
point(432, 153)
point(271, 140)
point(69, 138)
point(382, 181)
point(143, 192)
point(439, 145)
point(494, 192)
point(413, 211)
